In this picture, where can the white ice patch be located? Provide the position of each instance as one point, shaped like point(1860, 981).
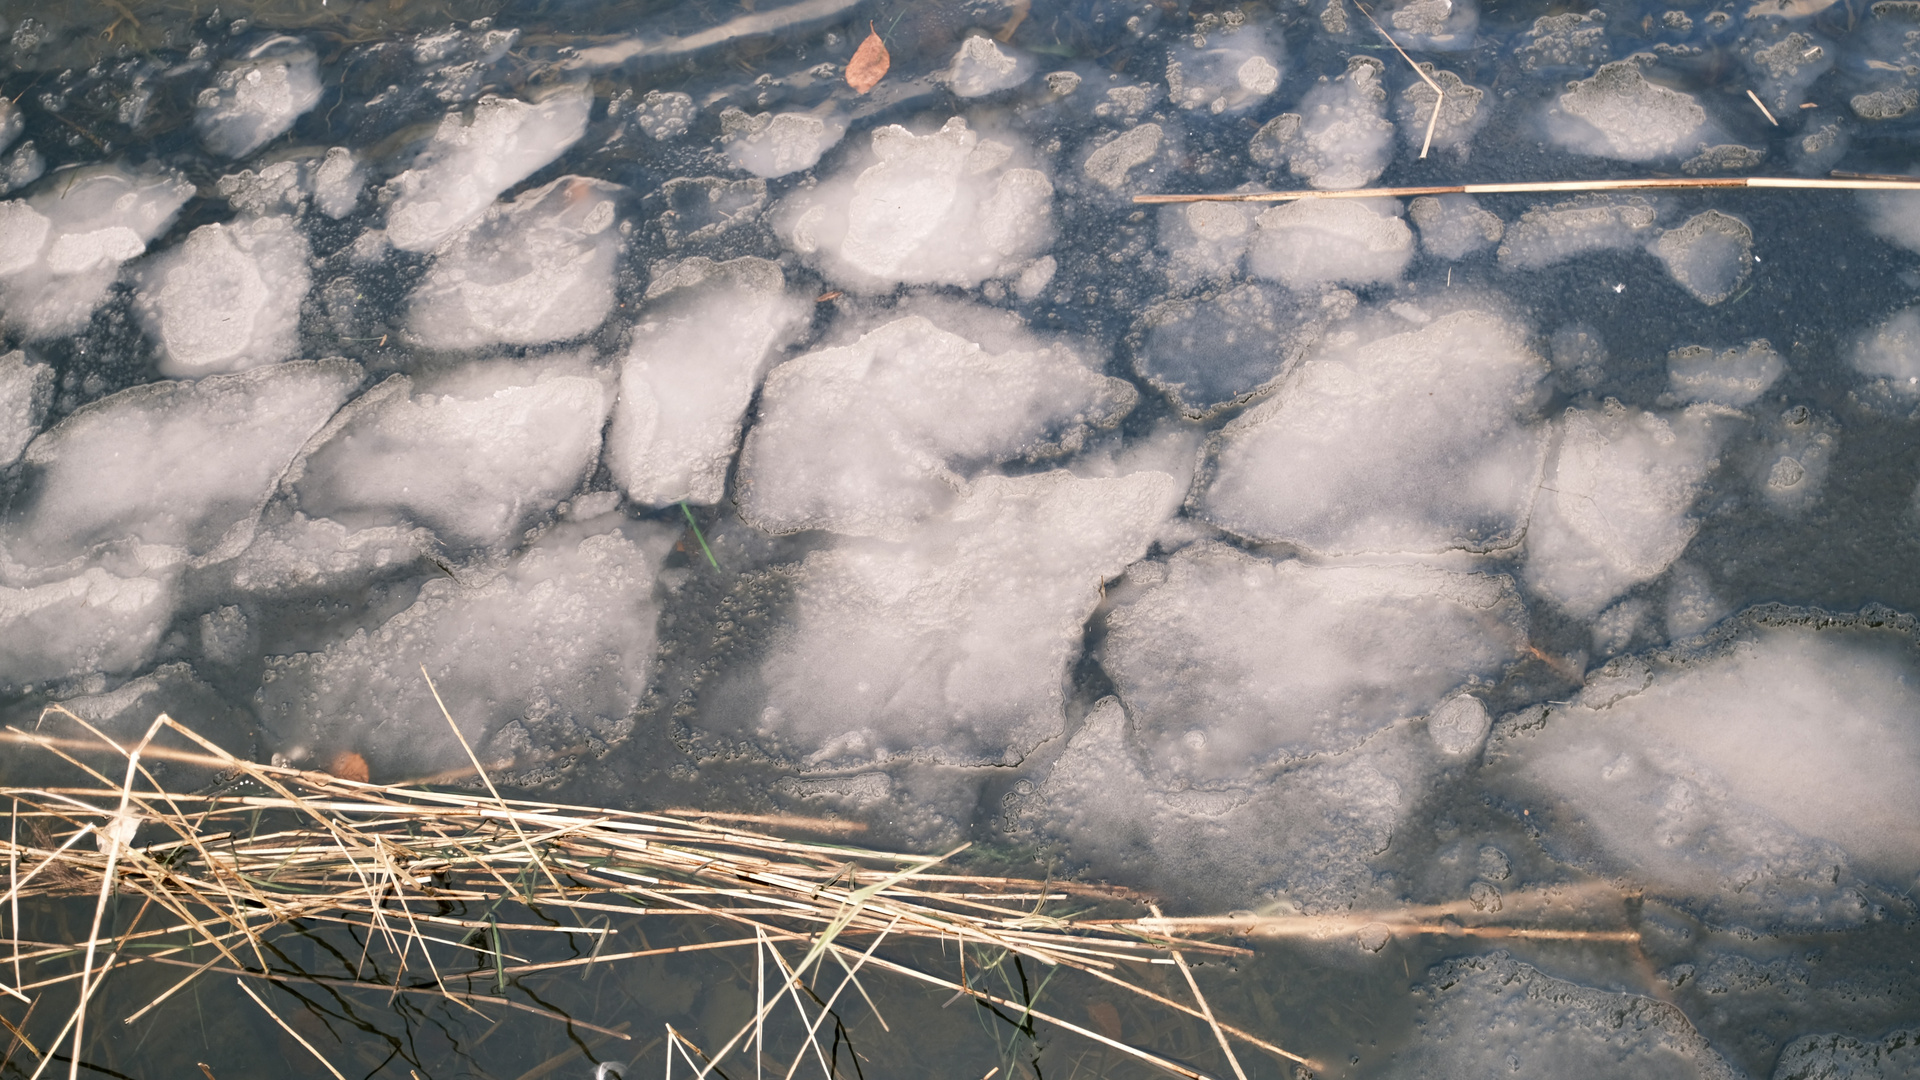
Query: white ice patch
point(1341, 138)
point(26, 391)
point(533, 271)
point(227, 299)
point(982, 67)
point(474, 158)
point(335, 182)
point(1890, 356)
point(257, 99)
point(1733, 377)
point(61, 250)
point(180, 467)
point(1895, 216)
point(1111, 164)
point(1223, 71)
point(1314, 242)
point(1305, 837)
point(769, 144)
point(1462, 113)
point(477, 455)
point(1204, 240)
point(1757, 783)
point(706, 336)
point(1613, 511)
point(869, 438)
point(953, 643)
point(1232, 663)
point(1619, 114)
point(1495, 1016)
point(945, 208)
point(552, 654)
point(1419, 441)
point(93, 622)
point(1786, 66)
point(1710, 255)
point(1454, 226)
point(1545, 235)
point(1440, 25)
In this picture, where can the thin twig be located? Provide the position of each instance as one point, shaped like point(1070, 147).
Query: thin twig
point(1439, 95)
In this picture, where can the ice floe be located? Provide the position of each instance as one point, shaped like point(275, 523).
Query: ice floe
point(1419, 439)
point(948, 207)
point(705, 337)
point(871, 437)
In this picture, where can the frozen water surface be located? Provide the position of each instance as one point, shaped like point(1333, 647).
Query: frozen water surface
point(718, 436)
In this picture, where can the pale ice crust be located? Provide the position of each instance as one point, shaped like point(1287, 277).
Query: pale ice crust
point(952, 644)
point(1759, 782)
point(96, 621)
point(1420, 441)
point(226, 299)
point(61, 249)
point(530, 272)
point(1231, 663)
point(707, 334)
point(476, 456)
point(26, 390)
point(872, 437)
point(258, 99)
point(1615, 508)
point(946, 208)
point(473, 158)
point(1494, 1015)
point(552, 652)
point(181, 468)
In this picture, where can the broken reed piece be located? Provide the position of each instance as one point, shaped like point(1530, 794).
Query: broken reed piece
point(1839, 182)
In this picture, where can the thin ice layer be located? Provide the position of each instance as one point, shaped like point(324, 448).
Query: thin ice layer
point(1423, 441)
point(1758, 782)
point(95, 622)
point(1619, 114)
point(1232, 662)
point(476, 456)
point(26, 390)
point(180, 466)
point(228, 298)
point(473, 158)
point(259, 98)
point(1732, 377)
point(1889, 355)
point(1614, 508)
point(1545, 235)
point(952, 644)
point(1341, 138)
point(550, 655)
point(867, 439)
point(1223, 71)
point(530, 272)
point(61, 250)
point(770, 144)
point(983, 66)
point(945, 208)
point(1495, 1016)
point(1305, 836)
point(1315, 242)
point(703, 341)
point(1214, 351)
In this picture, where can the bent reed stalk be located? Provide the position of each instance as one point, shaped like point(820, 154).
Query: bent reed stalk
point(268, 847)
point(1839, 182)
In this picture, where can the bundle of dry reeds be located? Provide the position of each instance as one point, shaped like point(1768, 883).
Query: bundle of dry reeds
point(269, 846)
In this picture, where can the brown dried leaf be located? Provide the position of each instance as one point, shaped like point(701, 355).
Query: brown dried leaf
point(348, 765)
point(869, 63)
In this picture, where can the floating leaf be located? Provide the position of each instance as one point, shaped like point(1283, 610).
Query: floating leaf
point(348, 765)
point(869, 63)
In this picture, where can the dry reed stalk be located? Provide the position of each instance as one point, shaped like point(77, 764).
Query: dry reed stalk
point(1851, 182)
point(274, 846)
